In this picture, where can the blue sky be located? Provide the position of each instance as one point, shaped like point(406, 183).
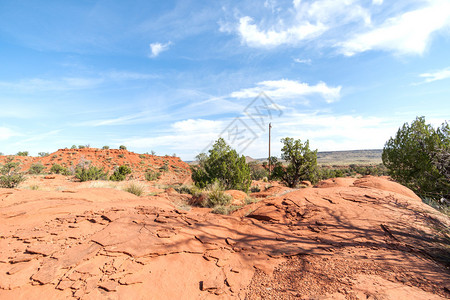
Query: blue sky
point(173, 76)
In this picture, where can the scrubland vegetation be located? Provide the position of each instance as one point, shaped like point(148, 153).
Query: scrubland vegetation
point(417, 157)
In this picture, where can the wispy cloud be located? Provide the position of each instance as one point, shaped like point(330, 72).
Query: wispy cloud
point(121, 120)
point(157, 48)
point(308, 20)
point(290, 89)
point(6, 133)
point(435, 76)
point(351, 26)
point(73, 83)
point(303, 61)
point(39, 137)
point(408, 33)
point(254, 36)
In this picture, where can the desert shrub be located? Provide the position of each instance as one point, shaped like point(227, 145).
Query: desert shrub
point(122, 147)
point(10, 175)
point(411, 158)
point(223, 164)
point(302, 163)
point(152, 152)
point(224, 209)
point(184, 189)
point(151, 175)
point(142, 156)
point(81, 146)
point(22, 153)
point(34, 187)
point(1, 153)
point(58, 169)
point(121, 156)
point(36, 168)
point(255, 189)
point(90, 173)
point(135, 188)
point(120, 173)
point(257, 171)
point(43, 154)
point(73, 147)
point(216, 195)
point(165, 167)
point(105, 147)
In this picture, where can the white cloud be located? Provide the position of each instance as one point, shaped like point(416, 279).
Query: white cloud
point(437, 75)
point(186, 138)
point(303, 61)
point(157, 48)
point(125, 75)
point(290, 89)
point(408, 33)
point(253, 36)
point(72, 83)
point(6, 133)
point(308, 21)
point(196, 125)
point(39, 84)
point(351, 26)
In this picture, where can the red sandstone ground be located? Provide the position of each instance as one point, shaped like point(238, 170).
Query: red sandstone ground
point(367, 238)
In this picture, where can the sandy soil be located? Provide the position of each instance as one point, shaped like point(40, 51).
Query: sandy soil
point(369, 238)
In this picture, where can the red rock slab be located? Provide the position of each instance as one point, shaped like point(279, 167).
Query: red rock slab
point(52, 268)
point(27, 291)
point(366, 286)
point(18, 274)
point(166, 283)
point(43, 249)
point(383, 183)
point(268, 213)
point(117, 232)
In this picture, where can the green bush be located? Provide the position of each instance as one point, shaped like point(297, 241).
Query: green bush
point(184, 189)
point(165, 167)
point(257, 171)
point(302, 163)
point(10, 176)
point(122, 147)
point(36, 168)
point(412, 158)
point(58, 169)
point(216, 196)
point(151, 175)
point(105, 147)
point(223, 164)
point(22, 153)
point(90, 173)
point(136, 189)
point(120, 173)
point(43, 154)
point(73, 147)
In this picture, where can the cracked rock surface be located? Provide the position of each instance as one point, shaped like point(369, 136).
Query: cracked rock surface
point(345, 239)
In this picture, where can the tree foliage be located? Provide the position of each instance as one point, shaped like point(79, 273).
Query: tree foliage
point(223, 164)
point(10, 176)
point(417, 157)
point(88, 173)
point(302, 163)
point(120, 173)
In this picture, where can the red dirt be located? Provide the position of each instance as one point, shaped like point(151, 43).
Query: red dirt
point(365, 240)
